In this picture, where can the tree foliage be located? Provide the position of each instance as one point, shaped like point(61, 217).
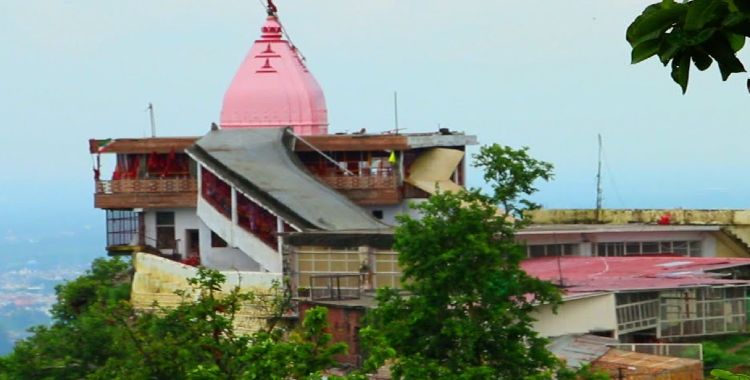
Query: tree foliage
point(693, 32)
point(720, 374)
point(97, 334)
point(466, 311)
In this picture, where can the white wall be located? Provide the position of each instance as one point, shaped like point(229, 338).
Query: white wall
point(588, 241)
point(390, 211)
point(268, 259)
point(184, 218)
point(226, 258)
point(577, 316)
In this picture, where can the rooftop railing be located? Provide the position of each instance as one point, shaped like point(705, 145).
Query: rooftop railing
point(153, 185)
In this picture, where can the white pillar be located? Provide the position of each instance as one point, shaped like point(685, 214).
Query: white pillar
point(234, 216)
point(279, 230)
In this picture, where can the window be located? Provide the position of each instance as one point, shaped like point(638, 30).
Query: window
point(165, 236)
point(217, 241)
point(687, 248)
point(551, 250)
point(122, 227)
point(377, 214)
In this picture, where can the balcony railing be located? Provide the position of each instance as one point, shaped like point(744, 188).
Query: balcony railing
point(678, 350)
point(342, 182)
point(335, 287)
point(156, 185)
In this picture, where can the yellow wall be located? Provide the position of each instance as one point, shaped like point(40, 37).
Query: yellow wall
point(678, 216)
point(156, 279)
point(728, 247)
point(577, 316)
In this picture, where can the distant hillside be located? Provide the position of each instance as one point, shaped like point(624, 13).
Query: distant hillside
point(29, 271)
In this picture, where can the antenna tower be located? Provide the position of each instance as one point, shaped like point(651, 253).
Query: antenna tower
point(599, 182)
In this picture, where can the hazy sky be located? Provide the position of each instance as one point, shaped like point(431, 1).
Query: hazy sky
point(545, 74)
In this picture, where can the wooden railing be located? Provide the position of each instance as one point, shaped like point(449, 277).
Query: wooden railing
point(342, 182)
point(157, 185)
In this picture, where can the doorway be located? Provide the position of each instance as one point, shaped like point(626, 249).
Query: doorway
point(192, 243)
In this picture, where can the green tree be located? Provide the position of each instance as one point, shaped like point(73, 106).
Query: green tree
point(97, 334)
point(466, 310)
point(692, 32)
point(83, 335)
point(720, 374)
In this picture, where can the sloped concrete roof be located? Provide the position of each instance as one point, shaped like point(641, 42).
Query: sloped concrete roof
point(260, 163)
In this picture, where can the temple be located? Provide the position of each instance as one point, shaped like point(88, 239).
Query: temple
point(269, 194)
point(270, 167)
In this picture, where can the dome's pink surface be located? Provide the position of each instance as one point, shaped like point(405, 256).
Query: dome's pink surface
point(273, 88)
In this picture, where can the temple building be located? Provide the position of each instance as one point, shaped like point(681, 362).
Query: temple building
point(270, 167)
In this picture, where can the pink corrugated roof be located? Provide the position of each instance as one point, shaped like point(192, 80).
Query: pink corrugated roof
point(592, 274)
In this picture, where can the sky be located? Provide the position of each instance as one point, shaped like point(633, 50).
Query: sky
point(549, 75)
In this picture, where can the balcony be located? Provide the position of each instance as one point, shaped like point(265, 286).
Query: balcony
point(145, 193)
point(365, 190)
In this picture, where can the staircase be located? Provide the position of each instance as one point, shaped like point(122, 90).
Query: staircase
point(236, 236)
point(735, 237)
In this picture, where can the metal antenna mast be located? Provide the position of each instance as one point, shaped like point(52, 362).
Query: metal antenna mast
point(599, 182)
point(150, 110)
point(395, 109)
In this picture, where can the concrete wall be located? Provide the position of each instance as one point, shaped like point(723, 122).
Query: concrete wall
point(577, 316)
point(184, 218)
point(267, 259)
point(156, 279)
point(227, 258)
point(678, 216)
point(390, 211)
point(728, 247)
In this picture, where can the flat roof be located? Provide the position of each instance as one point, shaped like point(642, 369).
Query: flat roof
point(550, 229)
point(141, 145)
point(328, 143)
point(369, 142)
point(382, 239)
point(579, 274)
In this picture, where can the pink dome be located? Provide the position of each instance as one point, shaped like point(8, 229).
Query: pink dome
point(273, 88)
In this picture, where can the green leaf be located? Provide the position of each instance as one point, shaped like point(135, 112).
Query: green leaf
point(702, 60)
point(720, 50)
point(741, 5)
point(702, 12)
point(681, 70)
point(669, 47)
point(699, 38)
point(733, 18)
point(736, 41)
point(644, 51)
point(653, 22)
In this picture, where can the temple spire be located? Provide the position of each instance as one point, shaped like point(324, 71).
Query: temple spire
point(273, 87)
point(271, 8)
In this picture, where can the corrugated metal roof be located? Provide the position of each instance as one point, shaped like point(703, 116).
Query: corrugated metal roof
point(591, 274)
point(577, 350)
point(260, 163)
point(637, 363)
